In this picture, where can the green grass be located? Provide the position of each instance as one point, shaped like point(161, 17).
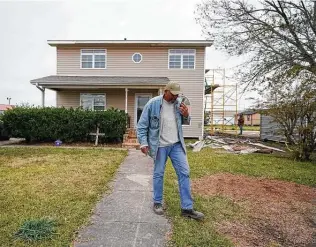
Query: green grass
point(207, 162)
point(60, 184)
point(37, 229)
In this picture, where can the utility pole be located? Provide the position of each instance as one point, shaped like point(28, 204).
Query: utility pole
point(9, 99)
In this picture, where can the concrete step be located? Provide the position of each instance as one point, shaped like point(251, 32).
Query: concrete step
point(125, 137)
point(131, 145)
point(131, 140)
point(131, 133)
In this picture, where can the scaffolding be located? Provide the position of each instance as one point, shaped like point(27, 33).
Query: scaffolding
point(220, 103)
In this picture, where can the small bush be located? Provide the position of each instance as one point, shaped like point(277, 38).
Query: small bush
point(68, 125)
point(37, 229)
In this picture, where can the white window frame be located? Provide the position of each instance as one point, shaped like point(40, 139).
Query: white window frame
point(81, 94)
point(135, 104)
point(181, 54)
point(93, 57)
point(141, 57)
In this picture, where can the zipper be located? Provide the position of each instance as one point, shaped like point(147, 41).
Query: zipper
point(159, 127)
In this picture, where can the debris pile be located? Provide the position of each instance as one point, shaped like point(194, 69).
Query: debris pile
point(233, 145)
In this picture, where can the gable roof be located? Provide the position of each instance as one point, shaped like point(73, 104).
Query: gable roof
point(150, 43)
point(248, 112)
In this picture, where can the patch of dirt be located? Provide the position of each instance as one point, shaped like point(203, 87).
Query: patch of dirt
point(279, 213)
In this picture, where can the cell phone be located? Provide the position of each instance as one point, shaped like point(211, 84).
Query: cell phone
point(181, 99)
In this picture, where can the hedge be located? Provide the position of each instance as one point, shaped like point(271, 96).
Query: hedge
point(4, 135)
point(68, 125)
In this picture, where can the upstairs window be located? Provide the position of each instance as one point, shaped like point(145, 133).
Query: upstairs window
point(93, 58)
point(182, 59)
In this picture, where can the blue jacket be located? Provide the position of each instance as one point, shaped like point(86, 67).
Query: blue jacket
point(148, 127)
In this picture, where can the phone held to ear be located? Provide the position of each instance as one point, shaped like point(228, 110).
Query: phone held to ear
point(181, 99)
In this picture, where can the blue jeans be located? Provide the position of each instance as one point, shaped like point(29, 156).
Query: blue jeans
point(240, 129)
point(181, 166)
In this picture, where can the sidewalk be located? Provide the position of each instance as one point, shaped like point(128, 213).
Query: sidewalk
point(125, 217)
point(12, 141)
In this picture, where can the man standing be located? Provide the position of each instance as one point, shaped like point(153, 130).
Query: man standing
point(241, 122)
point(159, 131)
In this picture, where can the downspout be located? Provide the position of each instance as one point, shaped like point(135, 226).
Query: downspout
point(126, 99)
point(42, 89)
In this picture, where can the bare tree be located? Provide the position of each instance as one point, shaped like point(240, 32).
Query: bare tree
point(277, 38)
point(293, 107)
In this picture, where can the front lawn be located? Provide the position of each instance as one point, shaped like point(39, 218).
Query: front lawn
point(227, 211)
point(61, 184)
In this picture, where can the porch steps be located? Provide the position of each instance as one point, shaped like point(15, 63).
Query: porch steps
point(130, 139)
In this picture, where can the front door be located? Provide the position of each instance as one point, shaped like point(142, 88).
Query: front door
point(140, 102)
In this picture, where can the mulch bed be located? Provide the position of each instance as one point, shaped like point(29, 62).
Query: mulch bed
point(279, 213)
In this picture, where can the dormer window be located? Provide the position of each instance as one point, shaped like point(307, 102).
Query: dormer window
point(93, 58)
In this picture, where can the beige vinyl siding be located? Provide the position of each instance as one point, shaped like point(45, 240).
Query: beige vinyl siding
point(154, 64)
point(114, 98)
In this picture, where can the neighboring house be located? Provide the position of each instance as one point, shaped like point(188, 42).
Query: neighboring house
point(270, 130)
point(4, 107)
point(125, 74)
point(252, 118)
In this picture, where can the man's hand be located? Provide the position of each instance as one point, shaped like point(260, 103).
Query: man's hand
point(184, 110)
point(145, 150)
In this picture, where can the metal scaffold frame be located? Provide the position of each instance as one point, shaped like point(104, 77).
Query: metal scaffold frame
point(220, 101)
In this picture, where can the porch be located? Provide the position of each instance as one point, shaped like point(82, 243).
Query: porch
point(103, 92)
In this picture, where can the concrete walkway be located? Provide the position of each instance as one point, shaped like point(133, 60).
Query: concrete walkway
point(12, 141)
point(125, 217)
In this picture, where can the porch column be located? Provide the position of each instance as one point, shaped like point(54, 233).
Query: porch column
point(42, 89)
point(160, 91)
point(126, 98)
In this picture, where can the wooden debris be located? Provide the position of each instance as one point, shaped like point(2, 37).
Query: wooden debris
point(264, 146)
point(215, 139)
point(192, 145)
point(198, 146)
point(239, 148)
point(248, 151)
point(264, 151)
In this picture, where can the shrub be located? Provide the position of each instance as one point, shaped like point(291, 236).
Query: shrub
point(4, 135)
point(68, 125)
point(37, 229)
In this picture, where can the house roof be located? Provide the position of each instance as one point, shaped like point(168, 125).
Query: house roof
point(4, 107)
point(68, 81)
point(152, 43)
point(248, 112)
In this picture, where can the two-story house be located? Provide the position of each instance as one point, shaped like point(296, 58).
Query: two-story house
point(125, 74)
